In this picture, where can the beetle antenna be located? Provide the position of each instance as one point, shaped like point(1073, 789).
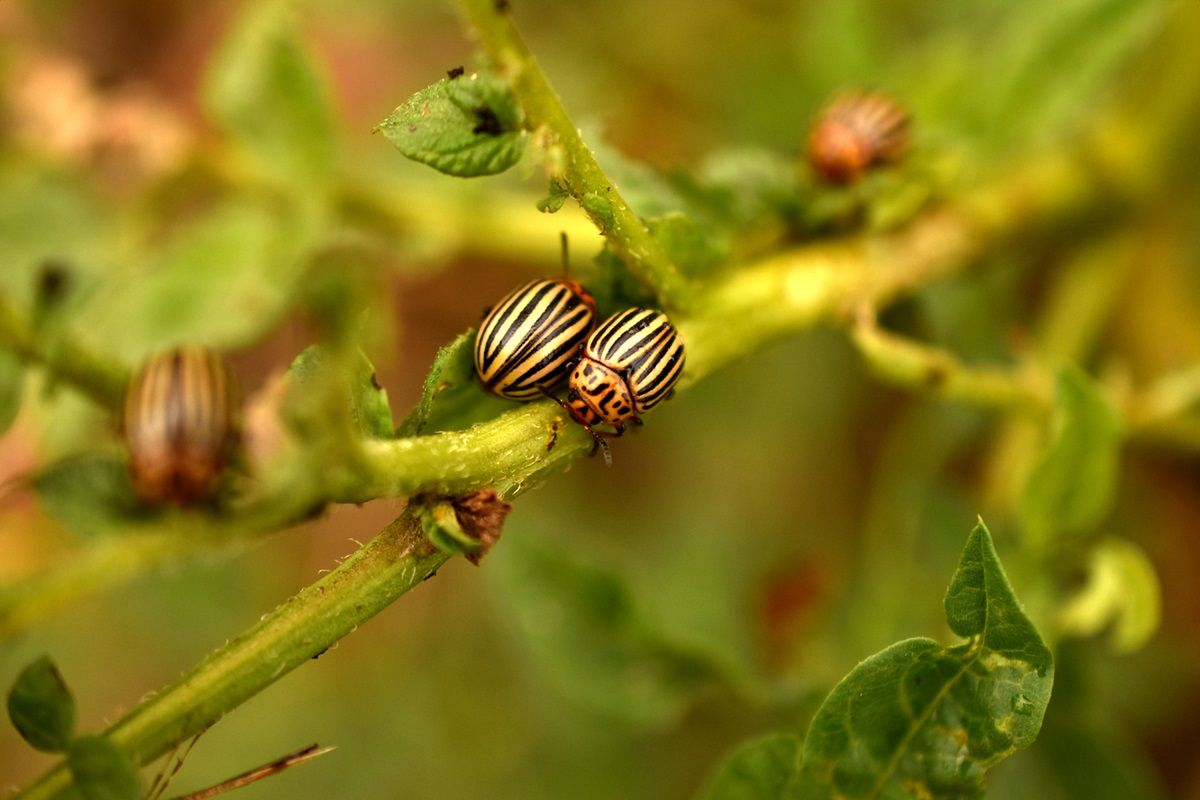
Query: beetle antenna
point(566, 260)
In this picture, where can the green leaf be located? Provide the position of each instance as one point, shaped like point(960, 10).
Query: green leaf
point(695, 250)
point(465, 126)
point(102, 771)
point(590, 642)
point(369, 406)
point(41, 707)
point(265, 90)
point(222, 281)
point(919, 720)
point(1122, 591)
point(1037, 97)
point(600, 209)
point(12, 383)
point(441, 526)
point(45, 217)
point(452, 369)
point(554, 200)
point(762, 769)
point(1072, 487)
point(319, 385)
point(90, 494)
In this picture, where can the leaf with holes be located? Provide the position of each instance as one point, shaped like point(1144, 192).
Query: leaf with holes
point(919, 720)
point(464, 126)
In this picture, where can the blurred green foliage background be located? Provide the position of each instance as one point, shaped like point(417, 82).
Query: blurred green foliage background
point(764, 533)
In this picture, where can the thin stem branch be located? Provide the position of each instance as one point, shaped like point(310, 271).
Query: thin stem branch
point(391, 564)
point(571, 161)
point(67, 360)
point(929, 369)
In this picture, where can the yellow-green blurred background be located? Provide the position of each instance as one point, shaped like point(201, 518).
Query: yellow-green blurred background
point(765, 532)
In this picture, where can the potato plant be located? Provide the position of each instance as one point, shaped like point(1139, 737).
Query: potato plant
point(946, 353)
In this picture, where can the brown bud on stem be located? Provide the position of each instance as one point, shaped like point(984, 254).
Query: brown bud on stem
point(481, 515)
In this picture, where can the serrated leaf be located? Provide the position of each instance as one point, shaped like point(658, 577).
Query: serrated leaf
point(466, 126)
point(102, 771)
point(1122, 591)
point(1071, 488)
point(90, 494)
point(12, 382)
point(453, 368)
point(919, 720)
point(762, 769)
point(264, 88)
point(590, 642)
point(42, 708)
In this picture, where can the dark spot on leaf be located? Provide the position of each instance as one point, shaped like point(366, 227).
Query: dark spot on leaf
point(488, 123)
point(502, 6)
point(322, 652)
point(375, 382)
point(455, 73)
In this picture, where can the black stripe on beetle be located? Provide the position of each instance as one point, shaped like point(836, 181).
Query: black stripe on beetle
point(527, 342)
point(630, 363)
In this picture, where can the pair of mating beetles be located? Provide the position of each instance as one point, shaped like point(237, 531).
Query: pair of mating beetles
point(544, 333)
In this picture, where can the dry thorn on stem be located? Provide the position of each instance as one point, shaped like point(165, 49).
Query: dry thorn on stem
point(306, 754)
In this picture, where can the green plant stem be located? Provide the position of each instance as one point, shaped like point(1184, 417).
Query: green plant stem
point(571, 161)
point(65, 359)
point(301, 629)
point(929, 369)
point(110, 560)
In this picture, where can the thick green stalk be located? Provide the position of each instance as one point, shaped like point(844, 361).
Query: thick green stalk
point(301, 629)
point(571, 161)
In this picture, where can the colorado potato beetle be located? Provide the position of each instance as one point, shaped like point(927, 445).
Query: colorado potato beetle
point(855, 132)
point(629, 365)
point(527, 342)
point(179, 424)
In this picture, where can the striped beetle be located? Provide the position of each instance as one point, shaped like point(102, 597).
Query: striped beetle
point(527, 342)
point(630, 364)
point(178, 419)
point(855, 132)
